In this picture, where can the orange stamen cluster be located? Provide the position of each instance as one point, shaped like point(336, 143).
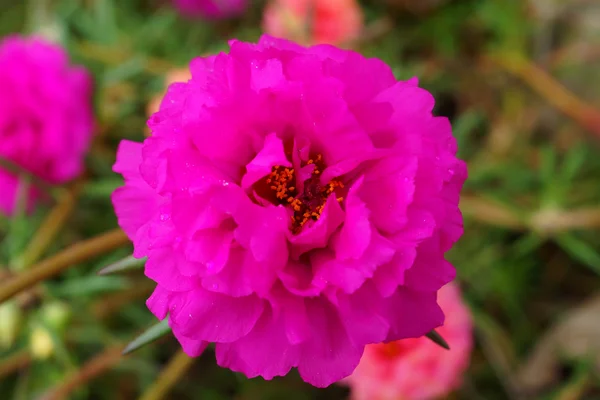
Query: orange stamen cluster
point(309, 204)
point(279, 180)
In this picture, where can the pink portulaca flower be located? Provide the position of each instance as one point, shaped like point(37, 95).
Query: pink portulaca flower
point(418, 369)
point(46, 118)
point(211, 9)
point(314, 21)
point(295, 205)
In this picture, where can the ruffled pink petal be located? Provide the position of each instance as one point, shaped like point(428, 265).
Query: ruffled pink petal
point(355, 235)
point(359, 313)
point(330, 355)
point(210, 247)
point(430, 270)
point(159, 302)
point(265, 351)
point(453, 229)
point(272, 154)
point(420, 225)
point(294, 313)
point(263, 233)
point(298, 278)
point(191, 347)
point(388, 197)
point(389, 276)
point(237, 277)
point(163, 267)
point(215, 317)
point(316, 235)
point(266, 74)
point(191, 213)
point(350, 274)
point(136, 202)
point(411, 314)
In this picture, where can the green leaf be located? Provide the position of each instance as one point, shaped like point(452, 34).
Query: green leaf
point(88, 286)
point(579, 250)
point(153, 333)
point(126, 264)
point(437, 339)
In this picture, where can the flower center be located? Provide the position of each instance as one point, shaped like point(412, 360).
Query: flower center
point(307, 205)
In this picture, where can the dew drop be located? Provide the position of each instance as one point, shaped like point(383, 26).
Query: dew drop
point(165, 217)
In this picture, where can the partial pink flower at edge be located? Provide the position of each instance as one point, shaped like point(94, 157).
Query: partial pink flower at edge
point(295, 205)
point(314, 21)
point(46, 116)
point(211, 9)
point(418, 369)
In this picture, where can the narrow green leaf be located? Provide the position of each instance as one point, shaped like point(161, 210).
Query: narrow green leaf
point(579, 250)
point(88, 286)
point(126, 264)
point(153, 333)
point(437, 339)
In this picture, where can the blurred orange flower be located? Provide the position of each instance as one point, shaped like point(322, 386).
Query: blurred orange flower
point(418, 369)
point(314, 21)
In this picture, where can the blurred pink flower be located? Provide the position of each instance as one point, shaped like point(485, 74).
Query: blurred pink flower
point(211, 9)
point(418, 369)
point(295, 204)
point(46, 118)
point(314, 21)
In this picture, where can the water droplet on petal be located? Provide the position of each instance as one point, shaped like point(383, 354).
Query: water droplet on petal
point(165, 217)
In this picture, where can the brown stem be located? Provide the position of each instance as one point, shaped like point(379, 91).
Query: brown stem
point(545, 221)
point(56, 264)
point(553, 221)
point(14, 363)
point(90, 370)
point(551, 90)
point(50, 226)
point(490, 212)
point(177, 366)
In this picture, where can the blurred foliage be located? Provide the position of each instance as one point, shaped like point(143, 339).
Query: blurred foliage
point(518, 79)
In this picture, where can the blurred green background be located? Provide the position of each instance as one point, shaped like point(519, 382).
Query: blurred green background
point(520, 81)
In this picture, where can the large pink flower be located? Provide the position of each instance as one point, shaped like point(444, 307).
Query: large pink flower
point(418, 369)
point(46, 115)
point(295, 204)
point(211, 9)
